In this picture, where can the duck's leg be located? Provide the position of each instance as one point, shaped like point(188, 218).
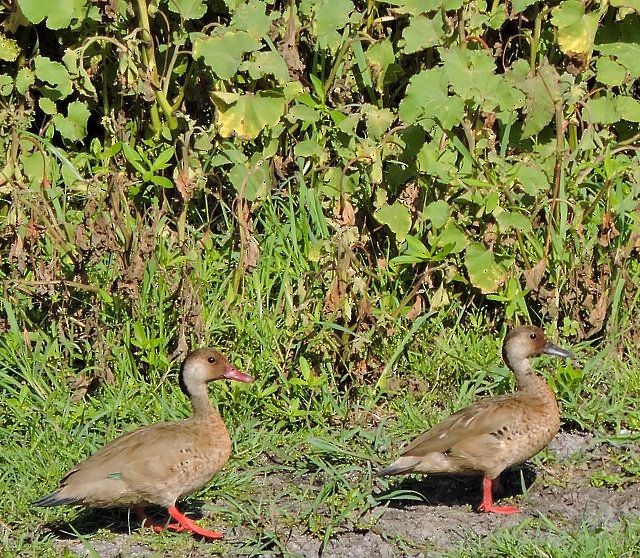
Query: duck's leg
point(183, 523)
point(186, 524)
point(487, 505)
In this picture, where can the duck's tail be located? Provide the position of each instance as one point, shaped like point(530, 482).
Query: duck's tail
point(54, 499)
point(401, 466)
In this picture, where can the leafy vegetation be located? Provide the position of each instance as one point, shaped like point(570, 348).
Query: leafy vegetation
point(352, 199)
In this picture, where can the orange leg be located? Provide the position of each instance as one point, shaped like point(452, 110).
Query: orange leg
point(487, 505)
point(183, 523)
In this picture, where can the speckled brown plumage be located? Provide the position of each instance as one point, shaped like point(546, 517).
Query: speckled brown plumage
point(162, 463)
point(495, 433)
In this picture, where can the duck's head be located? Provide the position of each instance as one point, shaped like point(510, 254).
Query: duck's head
point(527, 341)
point(205, 365)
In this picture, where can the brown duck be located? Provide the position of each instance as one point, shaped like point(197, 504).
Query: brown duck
point(495, 433)
point(161, 463)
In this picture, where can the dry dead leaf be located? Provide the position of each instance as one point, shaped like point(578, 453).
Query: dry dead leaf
point(416, 309)
point(534, 276)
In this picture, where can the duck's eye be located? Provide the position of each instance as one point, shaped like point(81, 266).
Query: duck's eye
point(533, 336)
point(212, 360)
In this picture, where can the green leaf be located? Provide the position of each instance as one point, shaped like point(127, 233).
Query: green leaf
point(48, 106)
point(251, 17)
point(162, 160)
point(422, 33)
point(6, 85)
point(427, 101)
point(303, 113)
point(521, 5)
point(610, 72)
point(308, 148)
point(223, 53)
point(268, 63)
point(162, 181)
point(532, 179)
point(378, 120)
point(576, 30)
point(434, 161)
point(508, 220)
point(379, 57)
point(397, 217)
point(188, 9)
point(417, 7)
point(253, 178)
point(55, 74)
point(628, 108)
point(601, 111)
point(540, 90)
point(329, 16)
point(484, 272)
point(24, 80)
point(452, 236)
point(9, 49)
point(633, 4)
point(74, 126)
point(247, 115)
point(33, 165)
point(627, 54)
point(438, 213)
point(59, 16)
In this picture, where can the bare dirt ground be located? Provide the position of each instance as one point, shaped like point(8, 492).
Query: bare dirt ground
point(562, 493)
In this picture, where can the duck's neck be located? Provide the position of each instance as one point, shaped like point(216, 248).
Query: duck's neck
point(529, 382)
point(201, 404)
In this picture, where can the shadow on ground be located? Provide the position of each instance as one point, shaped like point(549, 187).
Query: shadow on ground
point(454, 490)
point(118, 521)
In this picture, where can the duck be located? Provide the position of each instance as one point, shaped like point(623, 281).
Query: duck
point(494, 433)
point(162, 463)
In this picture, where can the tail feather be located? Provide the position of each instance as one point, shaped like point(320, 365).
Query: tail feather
point(401, 466)
point(54, 499)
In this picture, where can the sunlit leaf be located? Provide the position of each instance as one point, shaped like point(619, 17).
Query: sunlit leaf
point(427, 101)
point(252, 17)
point(396, 217)
point(437, 212)
point(484, 272)
point(223, 53)
point(6, 85)
point(247, 115)
point(610, 72)
point(576, 30)
point(9, 49)
point(63, 14)
point(24, 79)
point(379, 57)
point(188, 9)
point(423, 32)
point(628, 108)
point(54, 74)
point(73, 126)
point(509, 220)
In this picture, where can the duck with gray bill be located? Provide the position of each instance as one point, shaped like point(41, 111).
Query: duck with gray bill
point(495, 433)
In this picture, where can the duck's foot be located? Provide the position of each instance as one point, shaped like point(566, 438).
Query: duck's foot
point(183, 524)
point(487, 505)
point(498, 509)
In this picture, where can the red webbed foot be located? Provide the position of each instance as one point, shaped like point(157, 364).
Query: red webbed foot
point(487, 505)
point(183, 524)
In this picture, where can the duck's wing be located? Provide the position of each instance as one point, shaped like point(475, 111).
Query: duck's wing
point(487, 417)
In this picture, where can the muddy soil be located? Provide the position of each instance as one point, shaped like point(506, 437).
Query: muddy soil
point(444, 519)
